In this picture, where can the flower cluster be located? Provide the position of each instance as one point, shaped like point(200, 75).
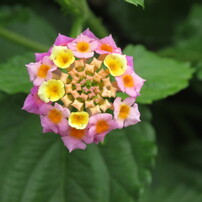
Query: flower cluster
point(75, 86)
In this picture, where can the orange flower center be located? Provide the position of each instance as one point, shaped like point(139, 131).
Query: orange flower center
point(102, 126)
point(83, 46)
point(106, 47)
point(128, 81)
point(124, 111)
point(42, 72)
point(54, 91)
point(77, 133)
point(63, 59)
point(55, 116)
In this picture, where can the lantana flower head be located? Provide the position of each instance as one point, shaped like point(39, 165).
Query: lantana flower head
point(75, 86)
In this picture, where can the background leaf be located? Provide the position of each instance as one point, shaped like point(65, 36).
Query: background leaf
point(187, 38)
point(14, 77)
point(136, 2)
point(39, 168)
point(164, 76)
point(29, 25)
point(177, 178)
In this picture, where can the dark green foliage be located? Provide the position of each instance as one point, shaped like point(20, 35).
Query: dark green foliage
point(39, 167)
point(163, 75)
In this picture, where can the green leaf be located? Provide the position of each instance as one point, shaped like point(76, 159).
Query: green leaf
point(180, 193)
point(14, 77)
point(37, 167)
point(136, 2)
point(164, 76)
point(74, 7)
point(188, 37)
point(10, 14)
point(137, 26)
point(2, 95)
point(178, 178)
point(199, 70)
point(31, 26)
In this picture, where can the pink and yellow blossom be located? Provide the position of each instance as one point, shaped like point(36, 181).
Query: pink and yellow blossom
point(130, 83)
point(62, 56)
point(32, 102)
point(41, 71)
point(107, 46)
point(79, 120)
point(126, 112)
point(76, 138)
point(75, 89)
point(116, 63)
point(83, 46)
point(52, 90)
point(54, 118)
point(100, 125)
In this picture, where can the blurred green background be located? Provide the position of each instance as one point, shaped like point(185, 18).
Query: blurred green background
point(159, 160)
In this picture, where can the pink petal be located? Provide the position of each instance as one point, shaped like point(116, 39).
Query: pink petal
point(38, 81)
point(32, 103)
point(87, 139)
point(73, 143)
point(90, 34)
point(108, 40)
point(93, 45)
point(62, 40)
point(83, 55)
point(48, 125)
point(39, 56)
point(63, 125)
point(130, 61)
point(131, 92)
point(32, 69)
point(46, 108)
point(120, 123)
point(129, 101)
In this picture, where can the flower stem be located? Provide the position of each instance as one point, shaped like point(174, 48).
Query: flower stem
point(76, 27)
point(84, 16)
point(21, 40)
point(94, 23)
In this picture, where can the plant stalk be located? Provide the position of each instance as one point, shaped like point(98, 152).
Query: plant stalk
point(21, 40)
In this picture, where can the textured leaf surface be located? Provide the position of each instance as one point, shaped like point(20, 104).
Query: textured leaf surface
point(136, 2)
point(164, 76)
point(37, 167)
point(14, 77)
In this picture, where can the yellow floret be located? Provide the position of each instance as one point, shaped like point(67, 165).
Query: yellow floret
point(51, 90)
point(62, 56)
point(116, 63)
point(124, 111)
point(78, 120)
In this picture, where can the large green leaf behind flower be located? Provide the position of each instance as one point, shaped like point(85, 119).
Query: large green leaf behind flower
point(37, 167)
point(14, 77)
point(164, 76)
